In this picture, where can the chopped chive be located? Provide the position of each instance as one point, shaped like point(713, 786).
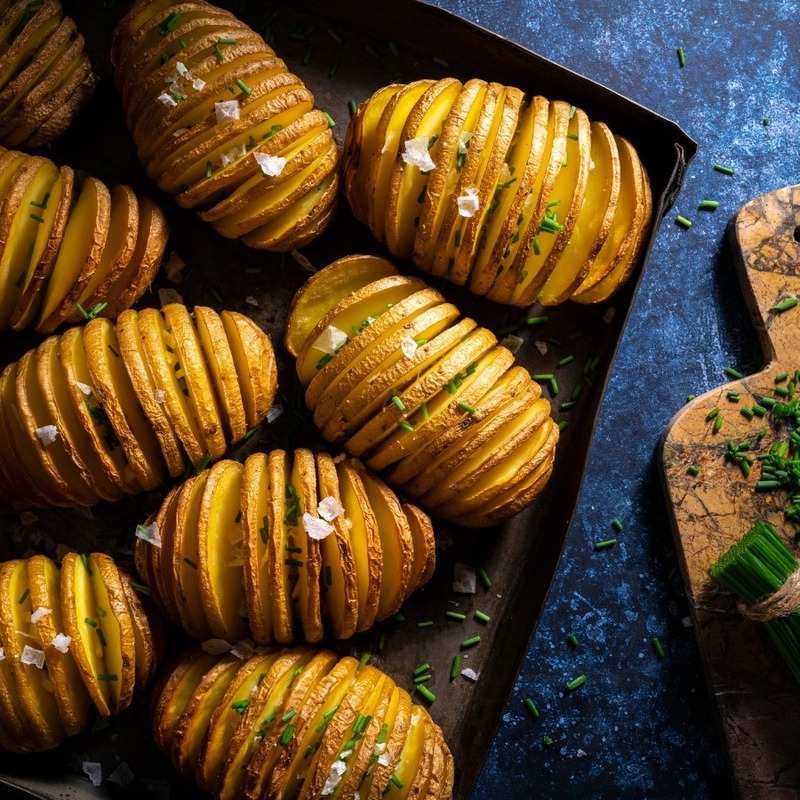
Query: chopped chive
point(420, 679)
point(425, 413)
point(733, 397)
point(785, 305)
point(455, 667)
point(351, 107)
point(470, 641)
point(398, 403)
point(189, 561)
point(396, 782)
point(364, 660)
point(746, 412)
point(36, 218)
point(658, 648)
point(331, 120)
point(536, 320)
point(572, 110)
point(289, 715)
point(286, 736)
point(563, 424)
point(734, 373)
point(712, 413)
point(759, 410)
point(684, 222)
point(708, 205)
point(605, 544)
point(547, 741)
point(719, 421)
point(484, 578)
point(169, 23)
point(781, 377)
point(566, 360)
point(101, 636)
point(425, 623)
point(91, 622)
point(399, 618)
point(482, 616)
point(616, 524)
point(572, 640)
point(575, 683)
point(466, 407)
point(681, 57)
point(723, 169)
point(240, 706)
point(23, 597)
point(244, 87)
point(421, 669)
point(531, 706)
point(455, 615)
point(106, 676)
point(426, 693)
point(693, 470)
point(406, 426)
point(536, 248)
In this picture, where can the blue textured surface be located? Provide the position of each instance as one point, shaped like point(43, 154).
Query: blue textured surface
point(642, 727)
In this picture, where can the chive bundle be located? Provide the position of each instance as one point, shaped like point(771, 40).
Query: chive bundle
point(755, 568)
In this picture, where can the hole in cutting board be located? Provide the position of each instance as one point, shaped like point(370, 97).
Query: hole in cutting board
point(797, 234)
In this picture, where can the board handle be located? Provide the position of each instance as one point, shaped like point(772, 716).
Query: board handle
point(766, 239)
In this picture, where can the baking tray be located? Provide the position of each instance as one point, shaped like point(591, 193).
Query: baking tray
point(345, 51)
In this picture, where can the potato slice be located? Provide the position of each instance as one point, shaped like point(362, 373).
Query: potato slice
point(185, 558)
point(145, 652)
point(339, 574)
point(114, 620)
point(92, 417)
point(219, 552)
point(282, 511)
point(255, 364)
point(365, 542)
point(325, 289)
point(152, 402)
point(54, 208)
point(22, 46)
point(219, 358)
point(161, 558)
point(225, 720)
point(256, 533)
point(300, 697)
point(397, 725)
point(188, 732)
point(397, 544)
point(407, 182)
point(260, 714)
point(36, 701)
point(15, 736)
point(568, 194)
point(413, 763)
point(175, 694)
point(199, 382)
point(594, 223)
point(424, 546)
point(79, 607)
point(114, 391)
point(79, 255)
point(166, 372)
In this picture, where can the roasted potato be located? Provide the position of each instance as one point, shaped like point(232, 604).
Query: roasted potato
point(220, 122)
point(298, 723)
point(285, 547)
point(417, 392)
point(107, 409)
point(45, 77)
point(70, 249)
point(523, 200)
point(70, 639)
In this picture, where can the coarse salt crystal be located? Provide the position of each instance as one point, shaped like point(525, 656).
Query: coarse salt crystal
point(32, 656)
point(384, 760)
point(274, 412)
point(541, 347)
point(61, 642)
point(270, 165)
point(47, 434)
point(85, 388)
point(226, 110)
point(380, 747)
point(470, 674)
point(234, 154)
point(149, 533)
point(329, 508)
point(2, 654)
point(464, 579)
point(167, 99)
point(94, 771)
point(216, 647)
point(182, 69)
point(416, 153)
point(198, 84)
point(40, 613)
point(316, 528)
point(179, 132)
point(469, 202)
point(251, 301)
point(408, 346)
point(513, 342)
point(330, 340)
point(345, 754)
point(161, 396)
point(338, 768)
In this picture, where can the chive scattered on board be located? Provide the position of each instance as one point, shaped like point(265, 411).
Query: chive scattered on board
point(457, 615)
point(605, 544)
point(575, 683)
point(572, 640)
point(425, 692)
point(482, 616)
point(708, 205)
point(484, 578)
point(536, 320)
point(422, 668)
point(531, 706)
point(616, 524)
point(693, 470)
point(455, 667)
point(425, 623)
point(681, 57)
point(658, 648)
point(724, 170)
point(734, 373)
point(684, 222)
point(547, 741)
point(786, 304)
point(471, 641)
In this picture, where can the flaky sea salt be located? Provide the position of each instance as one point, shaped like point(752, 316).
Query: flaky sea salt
point(541, 347)
point(161, 396)
point(270, 165)
point(338, 768)
point(84, 388)
point(416, 153)
point(198, 84)
point(40, 613)
point(2, 654)
point(216, 647)
point(32, 656)
point(226, 110)
point(513, 342)
point(234, 154)
point(61, 642)
point(251, 301)
point(330, 340)
point(384, 760)
point(329, 508)
point(94, 771)
point(167, 99)
point(470, 674)
point(182, 70)
point(408, 346)
point(149, 533)
point(274, 412)
point(47, 434)
point(316, 528)
point(464, 579)
point(468, 203)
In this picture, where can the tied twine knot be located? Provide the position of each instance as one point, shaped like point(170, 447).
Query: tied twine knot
point(783, 602)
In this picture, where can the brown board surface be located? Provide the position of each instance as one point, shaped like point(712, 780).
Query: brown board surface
point(754, 691)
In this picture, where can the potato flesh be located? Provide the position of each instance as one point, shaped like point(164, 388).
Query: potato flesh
point(465, 250)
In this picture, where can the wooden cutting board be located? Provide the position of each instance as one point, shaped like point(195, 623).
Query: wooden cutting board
point(757, 698)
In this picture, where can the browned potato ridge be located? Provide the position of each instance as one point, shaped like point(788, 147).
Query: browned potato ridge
point(108, 409)
point(219, 121)
point(522, 199)
point(71, 638)
point(419, 393)
point(285, 547)
point(45, 77)
point(70, 249)
point(298, 723)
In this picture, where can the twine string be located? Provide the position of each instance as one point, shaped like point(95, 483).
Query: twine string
point(783, 602)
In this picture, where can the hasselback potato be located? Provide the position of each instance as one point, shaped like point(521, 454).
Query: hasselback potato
point(522, 199)
point(299, 723)
point(45, 77)
point(70, 249)
point(219, 121)
point(238, 545)
point(420, 393)
point(70, 639)
point(107, 409)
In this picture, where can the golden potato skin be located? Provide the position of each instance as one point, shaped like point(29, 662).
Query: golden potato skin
point(39, 708)
point(235, 537)
point(71, 249)
point(220, 122)
point(45, 77)
point(298, 722)
point(523, 200)
point(104, 410)
point(424, 396)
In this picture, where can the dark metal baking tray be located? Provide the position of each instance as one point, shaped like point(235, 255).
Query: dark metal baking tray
point(342, 49)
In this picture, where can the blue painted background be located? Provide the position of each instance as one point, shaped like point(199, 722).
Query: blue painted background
point(642, 727)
